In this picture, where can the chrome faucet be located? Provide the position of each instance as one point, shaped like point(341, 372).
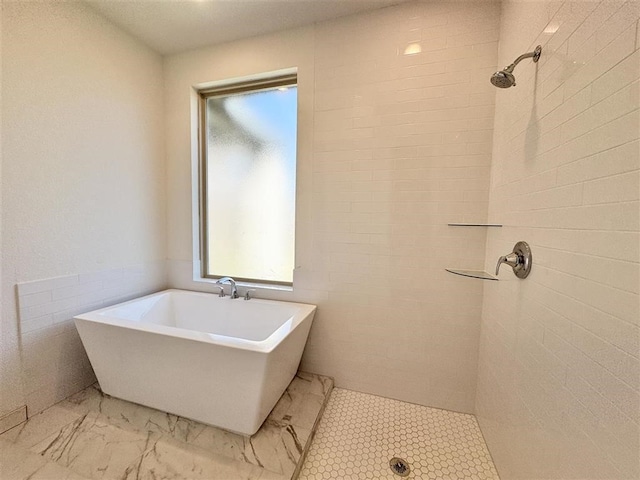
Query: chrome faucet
point(232, 282)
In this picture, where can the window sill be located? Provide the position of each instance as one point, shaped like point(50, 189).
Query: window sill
point(261, 286)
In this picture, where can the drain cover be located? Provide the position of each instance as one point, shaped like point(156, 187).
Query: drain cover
point(399, 466)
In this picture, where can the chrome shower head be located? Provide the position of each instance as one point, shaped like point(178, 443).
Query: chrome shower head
point(505, 78)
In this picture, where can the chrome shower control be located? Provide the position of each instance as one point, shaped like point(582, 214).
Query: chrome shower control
point(520, 260)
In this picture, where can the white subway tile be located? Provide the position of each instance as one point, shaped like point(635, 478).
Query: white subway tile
point(616, 302)
point(30, 313)
point(48, 284)
point(622, 395)
point(36, 323)
point(623, 366)
point(76, 290)
point(479, 36)
point(616, 105)
point(101, 275)
point(96, 297)
point(617, 132)
point(34, 299)
point(618, 188)
point(605, 419)
point(570, 17)
point(619, 76)
point(619, 274)
point(68, 314)
point(608, 57)
point(602, 12)
point(624, 18)
point(619, 159)
point(567, 196)
point(568, 109)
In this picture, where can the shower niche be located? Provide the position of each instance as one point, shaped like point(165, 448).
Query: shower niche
point(479, 274)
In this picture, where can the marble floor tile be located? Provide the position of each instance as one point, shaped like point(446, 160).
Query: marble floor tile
point(170, 459)
point(40, 426)
point(231, 445)
point(276, 446)
point(303, 410)
point(310, 383)
point(95, 448)
point(91, 435)
point(53, 471)
point(267, 475)
point(18, 463)
point(279, 447)
point(125, 413)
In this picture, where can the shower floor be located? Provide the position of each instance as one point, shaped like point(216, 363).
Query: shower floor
point(91, 435)
point(360, 433)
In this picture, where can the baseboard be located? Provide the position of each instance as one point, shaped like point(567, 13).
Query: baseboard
point(13, 419)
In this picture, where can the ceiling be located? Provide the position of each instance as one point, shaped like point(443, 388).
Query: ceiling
point(171, 26)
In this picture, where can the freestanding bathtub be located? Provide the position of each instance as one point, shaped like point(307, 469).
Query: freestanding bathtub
point(216, 360)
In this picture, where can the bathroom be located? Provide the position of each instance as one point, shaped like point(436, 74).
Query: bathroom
point(400, 134)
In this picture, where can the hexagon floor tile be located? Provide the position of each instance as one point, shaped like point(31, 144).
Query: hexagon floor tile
point(360, 433)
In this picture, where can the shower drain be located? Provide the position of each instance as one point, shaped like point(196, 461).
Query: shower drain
point(399, 466)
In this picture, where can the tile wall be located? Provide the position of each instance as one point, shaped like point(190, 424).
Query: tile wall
point(55, 364)
point(402, 146)
point(559, 369)
point(392, 147)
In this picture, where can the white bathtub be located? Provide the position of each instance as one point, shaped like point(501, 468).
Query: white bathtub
point(215, 360)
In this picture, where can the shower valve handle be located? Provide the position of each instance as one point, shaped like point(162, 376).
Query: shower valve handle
point(512, 260)
point(519, 260)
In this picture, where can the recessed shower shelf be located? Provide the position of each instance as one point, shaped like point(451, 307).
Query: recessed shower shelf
point(473, 274)
point(474, 224)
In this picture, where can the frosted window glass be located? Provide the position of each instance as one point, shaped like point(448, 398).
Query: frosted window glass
point(251, 172)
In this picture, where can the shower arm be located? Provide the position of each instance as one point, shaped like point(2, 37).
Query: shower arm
point(535, 55)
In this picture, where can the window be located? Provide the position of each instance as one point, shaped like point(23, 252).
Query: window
point(247, 180)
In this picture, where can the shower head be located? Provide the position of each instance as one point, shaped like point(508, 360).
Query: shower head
point(505, 78)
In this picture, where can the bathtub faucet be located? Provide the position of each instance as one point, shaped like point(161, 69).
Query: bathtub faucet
point(232, 282)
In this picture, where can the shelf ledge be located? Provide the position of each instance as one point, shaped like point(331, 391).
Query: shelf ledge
point(474, 224)
point(473, 274)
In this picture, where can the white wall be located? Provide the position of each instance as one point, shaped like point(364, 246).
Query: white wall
point(559, 375)
point(82, 178)
point(391, 149)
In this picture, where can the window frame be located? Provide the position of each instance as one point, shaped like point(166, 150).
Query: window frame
point(256, 85)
